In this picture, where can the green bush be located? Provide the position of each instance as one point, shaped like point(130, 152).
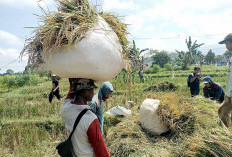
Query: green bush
point(153, 69)
point(168, 67)
point(14, 81)
point(148, 71)
point(156, 68)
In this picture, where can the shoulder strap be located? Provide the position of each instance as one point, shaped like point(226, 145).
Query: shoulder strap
point(76, 122)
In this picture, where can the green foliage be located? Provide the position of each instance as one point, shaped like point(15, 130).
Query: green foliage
point(15, 81)
point(227, 55)
point(162, 86)
point(9, 72)
point(210, 57)
point(219, 58)
point(168, 67)
point(153, 69)
point(187, 58)
point(135, 56)
point(161, 58)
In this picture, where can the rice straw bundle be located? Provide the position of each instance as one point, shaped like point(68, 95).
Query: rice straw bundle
point(67, 27)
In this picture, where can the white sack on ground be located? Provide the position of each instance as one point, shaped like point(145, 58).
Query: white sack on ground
point(130, 104)
point(97, 56)
point(149, 118)
point(118, 111)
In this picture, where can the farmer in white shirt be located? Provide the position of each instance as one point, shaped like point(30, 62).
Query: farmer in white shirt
point(225, 110)
point(87, 139)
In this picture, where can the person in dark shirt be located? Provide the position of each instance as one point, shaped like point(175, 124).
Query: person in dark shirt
point(141, 73)
point(55, 89)
point(213, 90)
point(194, 82)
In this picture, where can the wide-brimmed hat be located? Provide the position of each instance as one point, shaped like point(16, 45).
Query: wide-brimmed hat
point(227, 38)
point(80, 84)
point(53, 75)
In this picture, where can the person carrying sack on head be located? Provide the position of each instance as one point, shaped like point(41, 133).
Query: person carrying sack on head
point(193, 81)
point(55, 89)
point(87, 140)
point(225, 110)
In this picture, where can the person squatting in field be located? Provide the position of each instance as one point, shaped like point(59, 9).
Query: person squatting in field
point(96, 104)
point(87, 139)
point(194, 82)
point(225, 110)
point(213, 90)
point(55, 89)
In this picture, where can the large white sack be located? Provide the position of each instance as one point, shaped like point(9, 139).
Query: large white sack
point(149, 118)
point(97, 56)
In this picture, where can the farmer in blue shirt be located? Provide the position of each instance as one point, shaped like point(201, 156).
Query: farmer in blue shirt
point(96, 104)
point(194, 81)
point(213, 90)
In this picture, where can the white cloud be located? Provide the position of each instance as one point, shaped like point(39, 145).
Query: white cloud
point(7, 38)
point(184, 18)
point(25, 3)
point(9, 59)
point(149, 28)
point(135, 23)
point(119, 4)
point(10, 52)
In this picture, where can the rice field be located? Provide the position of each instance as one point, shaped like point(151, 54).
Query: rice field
point(31, 126)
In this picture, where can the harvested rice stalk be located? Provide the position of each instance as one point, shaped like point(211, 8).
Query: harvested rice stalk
point(67, 27)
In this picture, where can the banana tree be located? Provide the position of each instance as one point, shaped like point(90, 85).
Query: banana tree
point(135, 56)
point(188, 57)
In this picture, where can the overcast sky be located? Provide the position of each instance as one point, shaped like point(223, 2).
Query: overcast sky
point(157, 24)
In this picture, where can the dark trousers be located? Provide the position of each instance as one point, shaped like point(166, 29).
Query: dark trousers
point(141, 79)
point(194, 91)
point(51, 95)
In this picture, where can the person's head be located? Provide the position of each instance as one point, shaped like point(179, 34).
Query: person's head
point(107, 96)
point(83, 88)
point(197, 70)
point(208, 84)
point(208, 81)
point(227, 41)
point(53, 77)
point(86, 94)
point(105, 90)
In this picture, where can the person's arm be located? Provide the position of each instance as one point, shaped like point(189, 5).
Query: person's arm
point(199, 78)
point(56, 88)
point(191, 78)
point(206, 94)
point(70, 95)
point(96, 140)
point(218, 94)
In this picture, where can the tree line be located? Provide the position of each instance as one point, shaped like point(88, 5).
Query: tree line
point(181, 60)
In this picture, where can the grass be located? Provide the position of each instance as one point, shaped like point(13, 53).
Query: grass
point(30, 126)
